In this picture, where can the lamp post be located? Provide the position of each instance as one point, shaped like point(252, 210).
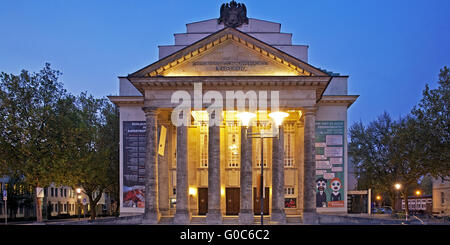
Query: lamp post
point(78, 201)
point(277, 117)
point(398, 186)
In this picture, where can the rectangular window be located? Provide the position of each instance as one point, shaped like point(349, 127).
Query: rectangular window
point(62, 192)
point(289, 191)
point(52, 191)
point(234, 145)
point(65, 192)
point(204, 145)
point(56, 192)
point(289, 144)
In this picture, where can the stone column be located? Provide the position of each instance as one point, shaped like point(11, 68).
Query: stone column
point(309, 204)
point(278, 216)
point(163, 172)
point(214, 215)
point(246, 205)
point(151, 211)
point(182, 214)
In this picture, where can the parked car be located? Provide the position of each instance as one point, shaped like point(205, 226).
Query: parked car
point(382, 210)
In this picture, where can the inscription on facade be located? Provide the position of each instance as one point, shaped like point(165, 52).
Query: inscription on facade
point(231, 65)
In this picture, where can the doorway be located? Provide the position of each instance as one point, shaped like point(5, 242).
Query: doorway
point(202, 201)
point(233, 197)
point(256, 202)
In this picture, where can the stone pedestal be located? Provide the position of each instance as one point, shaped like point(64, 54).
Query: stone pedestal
point(277, 215)
point(182, 215)
point(151, 211)
point(246, 205)
point(310, 218)
point(214, 214)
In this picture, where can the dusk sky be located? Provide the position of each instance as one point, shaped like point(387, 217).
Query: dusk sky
point(389, 48)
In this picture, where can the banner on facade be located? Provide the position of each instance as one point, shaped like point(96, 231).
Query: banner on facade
point(134, 148)
point(330, 164)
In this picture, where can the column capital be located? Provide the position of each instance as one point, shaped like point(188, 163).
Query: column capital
point(150, 110)
point(310, 111)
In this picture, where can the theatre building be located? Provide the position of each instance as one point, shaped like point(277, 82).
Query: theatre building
point(210, 173)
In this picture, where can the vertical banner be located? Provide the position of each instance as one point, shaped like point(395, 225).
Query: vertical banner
point(330, 164)
point(134, 148)
point(162, 140)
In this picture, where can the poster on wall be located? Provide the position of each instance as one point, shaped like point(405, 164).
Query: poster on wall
point(330, 164)
point(134, 147)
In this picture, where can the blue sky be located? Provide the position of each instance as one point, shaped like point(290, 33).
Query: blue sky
point(390, 49)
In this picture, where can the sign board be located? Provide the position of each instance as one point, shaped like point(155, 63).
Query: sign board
point(134, 149)
point(84, 201)
point(5, 195)
point(330, 164)
point(39, 192)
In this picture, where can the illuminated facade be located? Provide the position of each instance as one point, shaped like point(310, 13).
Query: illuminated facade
point(208, 173)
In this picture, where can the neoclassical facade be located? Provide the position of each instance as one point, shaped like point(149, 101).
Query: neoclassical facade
point(201, 172)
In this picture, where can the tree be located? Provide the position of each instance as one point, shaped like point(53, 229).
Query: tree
point(371, 149)
point(97, 164)
point(407, 155)
point(432, 114)
point(32, 136)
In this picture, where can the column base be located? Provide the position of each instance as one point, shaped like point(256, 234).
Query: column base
point(246, 217)
point(310, 218)
point(214, 217)
point(182, 218)
point(278, 217)
point(164, 212)
point(151, 218)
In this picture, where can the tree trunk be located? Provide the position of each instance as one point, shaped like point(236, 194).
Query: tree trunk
point(38, 210)
point(117, 211)
point(93, 210)
point(38, 206)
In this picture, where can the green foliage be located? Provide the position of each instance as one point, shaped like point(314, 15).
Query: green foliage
point(50, 136)
point(433, 116)
point(408, 151)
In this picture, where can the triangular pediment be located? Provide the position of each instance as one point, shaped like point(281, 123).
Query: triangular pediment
point(229, 52)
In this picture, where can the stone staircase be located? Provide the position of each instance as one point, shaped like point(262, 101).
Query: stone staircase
point(198, 220)
point(257, 220)
point(231, 220)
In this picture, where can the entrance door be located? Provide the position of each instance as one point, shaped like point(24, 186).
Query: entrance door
point(202, 201)
point(256, 202)
point(233, 197)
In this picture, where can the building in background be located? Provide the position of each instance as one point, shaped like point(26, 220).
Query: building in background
point(60, 201)
point(441, 197)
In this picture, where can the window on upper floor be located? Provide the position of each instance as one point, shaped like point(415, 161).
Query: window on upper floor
point(234, 145)
point(289, 144)
point(203, 145)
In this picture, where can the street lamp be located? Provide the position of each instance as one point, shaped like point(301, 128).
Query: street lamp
point(418, 193)
point(245, 118)
point(378, 197)
point(78, 190)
